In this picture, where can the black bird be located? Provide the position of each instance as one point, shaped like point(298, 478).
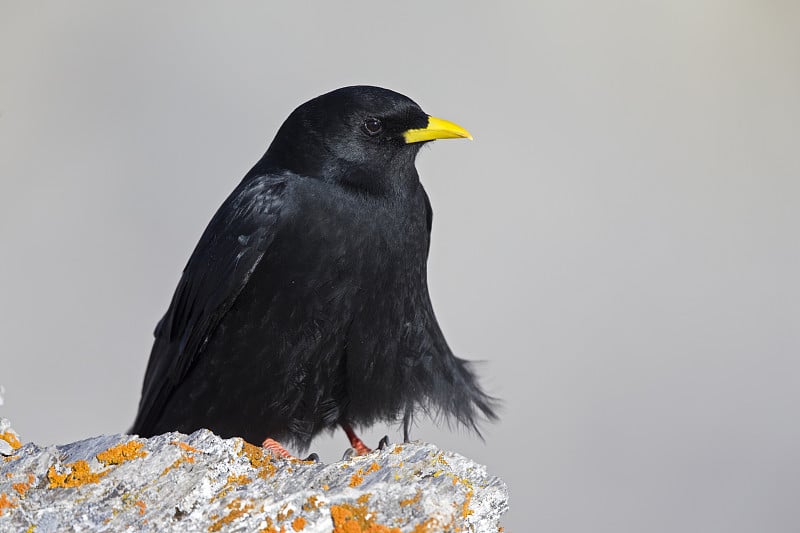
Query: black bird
point(305, 304)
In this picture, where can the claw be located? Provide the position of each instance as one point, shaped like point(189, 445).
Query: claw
point(348, 454)
point(383, 443)
point(313, 457)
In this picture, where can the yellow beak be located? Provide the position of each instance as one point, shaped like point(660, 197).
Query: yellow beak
point(437, 128)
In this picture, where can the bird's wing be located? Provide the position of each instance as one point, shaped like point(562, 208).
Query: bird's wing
point(220, 266)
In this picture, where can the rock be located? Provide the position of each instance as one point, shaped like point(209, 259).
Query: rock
point(9, 439)
point(201, 482)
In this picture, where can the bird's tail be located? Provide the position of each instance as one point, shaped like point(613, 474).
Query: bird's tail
point(453, 394)
point(460, 396)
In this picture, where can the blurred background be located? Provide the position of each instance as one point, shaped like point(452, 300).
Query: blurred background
point(619, 245)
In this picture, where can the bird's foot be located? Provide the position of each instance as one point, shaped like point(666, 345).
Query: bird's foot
point(357, 446)
point(355, 443)
point(274, 447)
point(349, 453)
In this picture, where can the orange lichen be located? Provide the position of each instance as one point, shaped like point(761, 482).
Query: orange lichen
point(363, 499)
point(412, 500)
point(255, 454)
point(270, 527)
point(311, 504)
point(178, 462)
point(185, 458)
point(441, 460)
point(6, 503)
point(431, 524)
point(356, 479)
point(299, 523)
point(357, 519)
point(239, 480)
point(141, 505)
point(237, 508)
point(185, 447)
point(284, 513)
point(79, 474)
point(22, 488)
point(397, 449)
point(259, 460)
point(123, 452)
point(325, 487)
point(9, 474)
point(232, 482)
point(11, 438)
point(465, 510)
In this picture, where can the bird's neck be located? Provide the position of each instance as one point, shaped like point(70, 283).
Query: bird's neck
point(391, 179)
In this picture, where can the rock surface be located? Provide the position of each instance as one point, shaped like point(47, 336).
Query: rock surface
point(201, 482)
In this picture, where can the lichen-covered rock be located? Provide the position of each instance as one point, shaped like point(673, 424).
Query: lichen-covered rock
point(201, 482)
point(9, 440)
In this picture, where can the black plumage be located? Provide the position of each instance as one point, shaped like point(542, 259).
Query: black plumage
point(305, 304)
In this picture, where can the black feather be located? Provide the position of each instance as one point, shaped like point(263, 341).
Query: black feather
point(305, 304)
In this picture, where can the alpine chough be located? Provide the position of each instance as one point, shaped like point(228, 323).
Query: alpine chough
point(305, 304)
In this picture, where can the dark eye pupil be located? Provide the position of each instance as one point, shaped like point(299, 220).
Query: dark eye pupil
point(372, 126)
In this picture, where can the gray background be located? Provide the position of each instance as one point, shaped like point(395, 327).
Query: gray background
point(619, 244)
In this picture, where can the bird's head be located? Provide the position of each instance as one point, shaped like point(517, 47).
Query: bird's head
point(361, 136)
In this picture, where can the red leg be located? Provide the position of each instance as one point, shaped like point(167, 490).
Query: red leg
point(276, 449)
point(357, 444)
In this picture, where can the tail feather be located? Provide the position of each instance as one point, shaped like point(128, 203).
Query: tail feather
point(454, 395)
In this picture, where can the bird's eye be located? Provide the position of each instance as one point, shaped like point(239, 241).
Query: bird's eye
point(372, 126)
